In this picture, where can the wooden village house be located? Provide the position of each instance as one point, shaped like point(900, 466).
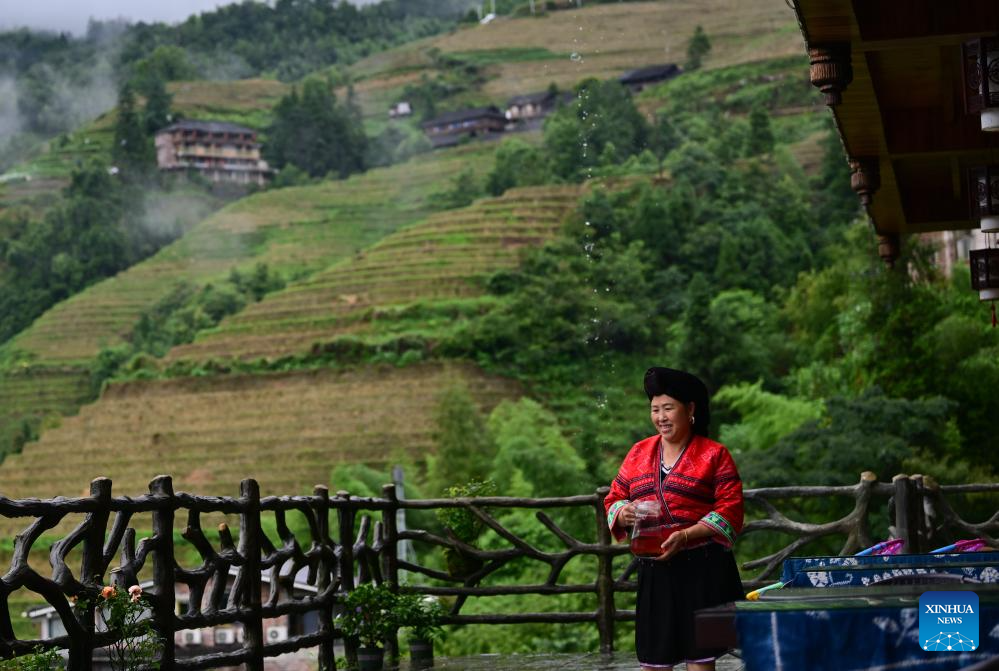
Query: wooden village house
point(451, 128)
point(400, 110)
point(638, 80)
point(529, 111)
point(222, 152)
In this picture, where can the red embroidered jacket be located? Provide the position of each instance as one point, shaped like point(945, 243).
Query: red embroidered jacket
point(702, 488)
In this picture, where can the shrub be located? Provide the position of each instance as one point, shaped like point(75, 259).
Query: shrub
point(369, 613)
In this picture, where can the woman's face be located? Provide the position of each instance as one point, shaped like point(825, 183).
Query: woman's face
point(671, 418)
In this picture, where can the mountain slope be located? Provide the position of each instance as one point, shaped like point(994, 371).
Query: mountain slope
point(447, 257)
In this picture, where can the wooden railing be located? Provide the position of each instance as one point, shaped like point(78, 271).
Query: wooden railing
point(366, 548)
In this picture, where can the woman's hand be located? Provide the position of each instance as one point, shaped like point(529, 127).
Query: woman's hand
point(626, 517)
point(676, 542)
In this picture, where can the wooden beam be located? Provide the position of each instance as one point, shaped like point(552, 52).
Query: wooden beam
point(922, 18)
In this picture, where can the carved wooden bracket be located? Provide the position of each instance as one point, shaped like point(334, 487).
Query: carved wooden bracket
point(865, 178)
point(831, 70)
point(888, 246)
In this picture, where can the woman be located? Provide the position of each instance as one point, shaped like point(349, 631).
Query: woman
point(697, 486)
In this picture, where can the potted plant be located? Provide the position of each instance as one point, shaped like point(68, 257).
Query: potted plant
point(369, 614)
point(422, 616)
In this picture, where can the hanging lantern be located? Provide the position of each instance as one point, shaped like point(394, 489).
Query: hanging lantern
point(981, 80)
point(985, 276)
point(985, 273)
point(983, 183)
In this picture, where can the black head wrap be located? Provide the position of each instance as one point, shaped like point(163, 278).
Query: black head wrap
point(684, 387)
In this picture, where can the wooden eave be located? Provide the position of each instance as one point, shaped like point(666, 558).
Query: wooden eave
point(905, 108)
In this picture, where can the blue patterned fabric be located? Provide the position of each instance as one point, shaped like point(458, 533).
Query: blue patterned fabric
point(859, 577)
point(796, 565)
point(850, 639)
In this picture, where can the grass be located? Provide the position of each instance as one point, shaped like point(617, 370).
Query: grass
point(776, 83)
point(248, 102)
point(506, 55)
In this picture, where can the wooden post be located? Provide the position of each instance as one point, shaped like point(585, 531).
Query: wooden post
point(163, 569)
point(390, 560)
point(346, 521)
point(906, 520)
point(249, 548)
point(92, 570)
point(919, 530)
point(605, 577)
point(327, 659)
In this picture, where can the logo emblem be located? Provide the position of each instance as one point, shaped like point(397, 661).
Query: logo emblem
point(948, 621)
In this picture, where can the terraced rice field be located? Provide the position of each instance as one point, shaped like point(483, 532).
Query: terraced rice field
point(287, 430)
point(40, 393)
point(607, 39)
point(244, 101)
point(446, 257)
point(295, 231)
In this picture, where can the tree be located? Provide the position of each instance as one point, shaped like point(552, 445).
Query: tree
point(517, 164)
point(697, 49)
point(664, 138)
point(761, 135)
point(601, 125)
point(464, 189)
point(532, 450)
point(872, 432)
point(132, 152)
point(835, 201)
point(763, 417)
point(157, 112)
point(166, 63)
point(464, 449)
point(696, 351)
point(312, 131)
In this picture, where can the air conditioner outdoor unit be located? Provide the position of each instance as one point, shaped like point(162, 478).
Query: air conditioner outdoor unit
point(225, 636)
point(191, 636)
point(275, 634)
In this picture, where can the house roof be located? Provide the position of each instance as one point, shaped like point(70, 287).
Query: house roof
point(207, 127)
point(652, 73)
point(465, 115)
point(531, 98)
point(903, 112)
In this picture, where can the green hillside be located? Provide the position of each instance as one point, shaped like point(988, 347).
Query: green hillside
point(526, 54)
point(318, 236)
point(437, 263)
point(295, 231)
